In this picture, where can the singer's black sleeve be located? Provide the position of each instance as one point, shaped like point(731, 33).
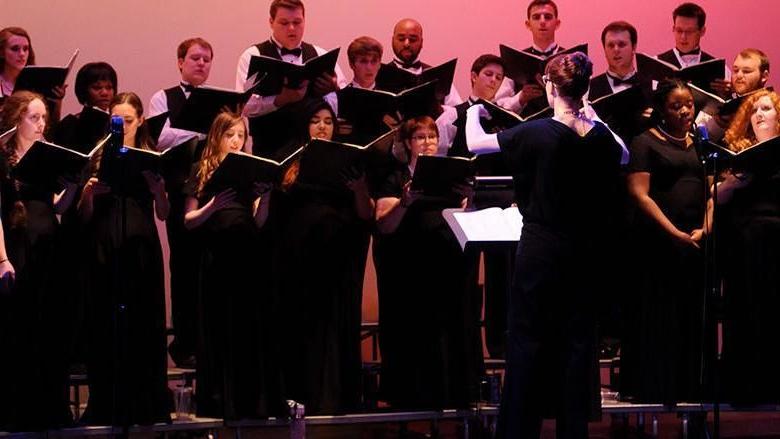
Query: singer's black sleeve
point(639, 154)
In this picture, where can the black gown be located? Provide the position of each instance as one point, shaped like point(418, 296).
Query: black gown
point(235, 356)
point(565, 188)
point(319, 264)
point(127, 358)
point(662, 343)
point(428, 308)
point(34, 366)
point(750, 263)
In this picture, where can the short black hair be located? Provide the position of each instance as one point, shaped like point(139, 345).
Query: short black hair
point(91, 73)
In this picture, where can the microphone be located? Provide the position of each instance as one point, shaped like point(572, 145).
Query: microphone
point(117, 134)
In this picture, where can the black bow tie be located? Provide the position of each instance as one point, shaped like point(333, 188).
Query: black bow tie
point(409, 65)
point(187, 87)
point(294, 52)
point(632, 80)
point(547, 54)
point(695, 51)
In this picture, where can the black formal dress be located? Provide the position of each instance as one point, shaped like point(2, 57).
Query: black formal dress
point(127, 359)
point(235, 351)
point(32, 314)
point(750, 263)
point(565, 187)
point(320, 254)
point(428, 308)
point(662, 342)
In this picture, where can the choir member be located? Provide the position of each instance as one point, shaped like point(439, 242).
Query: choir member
point(234, 308)
point(662, 343)
point(749, 223)
point(126, 360)
point(619, 40)
point(431, 351)
point(551, 361)
point(16, 52)
point(193, 58)
point(749, 73)
point(542, 21)
point(287, 21)
point(319, 266)
point(35, 366)
point(407, 42)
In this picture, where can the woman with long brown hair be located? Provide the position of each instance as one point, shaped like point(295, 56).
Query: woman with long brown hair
point(34, 319)
point(232, 355)
point(126, 358)
point(749, 225)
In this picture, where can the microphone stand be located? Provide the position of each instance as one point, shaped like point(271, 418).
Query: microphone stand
point(711, 290)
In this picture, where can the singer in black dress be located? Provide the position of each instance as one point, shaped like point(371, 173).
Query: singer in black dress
point(749, 223)
point(235, 374)
point(321, 251)
point(662, 344)
point(126, 359)
point(428, 299)
point(33, 371)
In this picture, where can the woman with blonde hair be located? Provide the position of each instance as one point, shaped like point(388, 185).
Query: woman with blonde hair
point(749, 225)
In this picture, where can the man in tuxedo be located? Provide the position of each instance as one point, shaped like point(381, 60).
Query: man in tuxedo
point(407, 44)
point(287, 22)
point(542, 21)
point(619, 40)
point(193, 58)
point(749, 73)
point(689, 25)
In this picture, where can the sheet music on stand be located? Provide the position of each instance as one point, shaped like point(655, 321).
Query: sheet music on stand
point(485, 228)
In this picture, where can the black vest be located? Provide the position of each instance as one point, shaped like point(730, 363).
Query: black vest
point(671, 58)
point(175, 97)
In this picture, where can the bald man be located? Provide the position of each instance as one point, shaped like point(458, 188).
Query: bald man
point(407, 44)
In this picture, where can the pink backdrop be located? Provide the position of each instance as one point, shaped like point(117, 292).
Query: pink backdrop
point(139, 38)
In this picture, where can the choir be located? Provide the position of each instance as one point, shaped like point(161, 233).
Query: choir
point(613, 174)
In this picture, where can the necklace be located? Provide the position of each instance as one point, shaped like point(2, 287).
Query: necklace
point(679, 139)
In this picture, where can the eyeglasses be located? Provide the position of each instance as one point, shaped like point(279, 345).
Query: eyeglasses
point(545, 79)
point(423, 138)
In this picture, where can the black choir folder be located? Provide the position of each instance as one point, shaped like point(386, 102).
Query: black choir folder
point(240, 171)
point(527, 68)
point(46, 163)
point(206, 102)
point(326, 164)
point(277, 71)
point(762, 158)
point(42, 79)
point(396, 79)
point(122, 170)
point(715, 105)
point(365, 108)
point(436, 176)
point(701, 74)
point(487, 227)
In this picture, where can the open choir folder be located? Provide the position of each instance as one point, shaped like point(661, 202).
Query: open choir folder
point(436, 176)
point(44, 164)
point(366, 108)
point(701, 74)
point(327, 164)
point(762, 158)
point(713, 104)
point(240, 171)
point(485, 227)
point(395, 79)
point(206, 102)
point(42, 79)
point(277, 71)
point(526, 68)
